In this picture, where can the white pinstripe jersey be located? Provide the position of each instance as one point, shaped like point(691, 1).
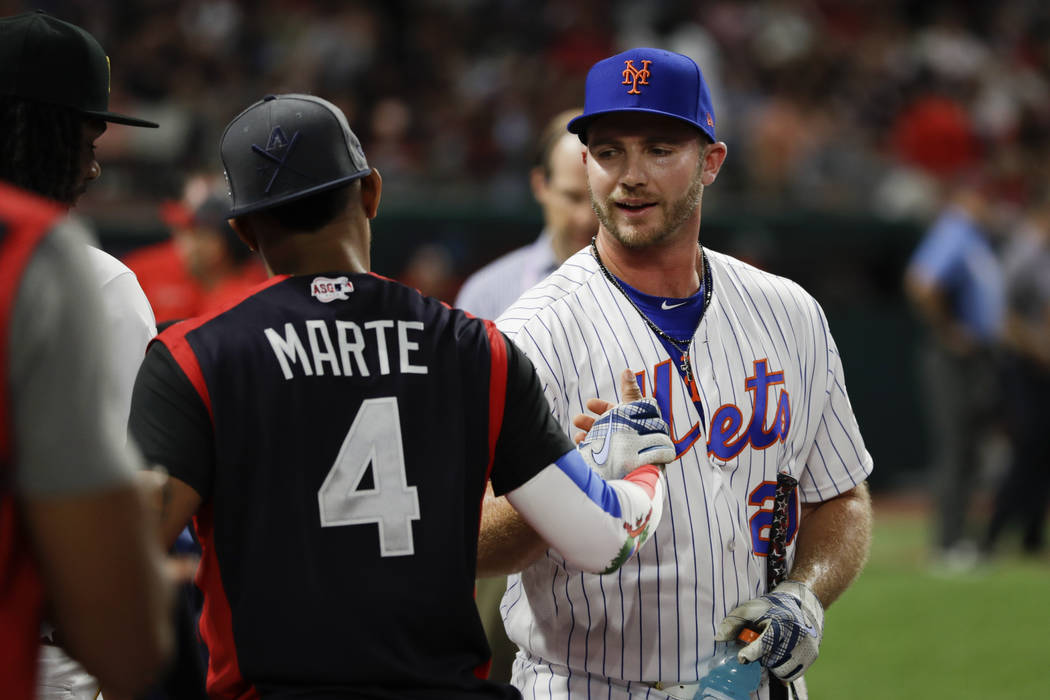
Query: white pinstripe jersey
point(762, 340)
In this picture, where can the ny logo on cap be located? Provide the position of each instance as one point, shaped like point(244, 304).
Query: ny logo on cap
point(634, 77)
point(277, 142)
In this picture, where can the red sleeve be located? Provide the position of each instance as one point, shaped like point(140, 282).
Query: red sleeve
point(524, 438)
point(497, 388)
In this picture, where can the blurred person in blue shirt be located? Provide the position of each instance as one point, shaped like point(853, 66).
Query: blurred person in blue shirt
point(954, 281)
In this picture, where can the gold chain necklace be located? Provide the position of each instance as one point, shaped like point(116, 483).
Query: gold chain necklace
point(680, 344)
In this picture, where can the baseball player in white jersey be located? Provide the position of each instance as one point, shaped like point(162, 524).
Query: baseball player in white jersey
point(128, 326)
point(745, 371)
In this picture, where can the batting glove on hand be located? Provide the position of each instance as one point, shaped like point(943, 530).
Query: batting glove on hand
point(791, 621)
point(625, 437)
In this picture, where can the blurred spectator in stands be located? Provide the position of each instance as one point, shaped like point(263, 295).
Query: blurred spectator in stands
point(1023, 493)
point(430, 270)
point(935, 133)
point(955, 284)
point(221, 265)
point(203, 265)
point(470, 105)
point(559, 184)
point(164, 276)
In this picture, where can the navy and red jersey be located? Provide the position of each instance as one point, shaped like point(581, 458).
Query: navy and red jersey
point(340, 430)
point(24, 221)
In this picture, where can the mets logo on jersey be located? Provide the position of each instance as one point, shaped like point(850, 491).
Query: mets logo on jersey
point(727, 439)
point(635, 76)
point(327, 289)
point(729, 435)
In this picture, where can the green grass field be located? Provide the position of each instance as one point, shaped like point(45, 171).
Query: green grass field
point(906, 630)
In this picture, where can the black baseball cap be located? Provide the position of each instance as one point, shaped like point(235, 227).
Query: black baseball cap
point(286, 147)
point(47, 60)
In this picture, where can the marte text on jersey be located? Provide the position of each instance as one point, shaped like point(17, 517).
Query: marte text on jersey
point(345, 348)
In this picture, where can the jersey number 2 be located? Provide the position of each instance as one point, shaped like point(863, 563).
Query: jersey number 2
point(373, 439)
point(761, 521)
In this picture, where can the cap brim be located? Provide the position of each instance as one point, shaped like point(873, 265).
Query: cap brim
point(291, 197)
point(579, 125)
point(120, 119)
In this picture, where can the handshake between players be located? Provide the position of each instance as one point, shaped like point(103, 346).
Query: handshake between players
point(597, 524)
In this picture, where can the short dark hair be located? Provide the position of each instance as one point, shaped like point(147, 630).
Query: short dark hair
point(312, 212)
point(40, 147)
point(555, 129)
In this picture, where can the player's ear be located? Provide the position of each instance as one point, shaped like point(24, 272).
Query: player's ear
point(714, 155)
point(371, 192)
point(244, 231)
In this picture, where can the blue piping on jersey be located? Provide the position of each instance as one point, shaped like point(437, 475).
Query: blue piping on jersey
point(572, 465)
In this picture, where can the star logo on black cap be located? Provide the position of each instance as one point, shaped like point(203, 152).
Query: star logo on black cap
point(277, 142)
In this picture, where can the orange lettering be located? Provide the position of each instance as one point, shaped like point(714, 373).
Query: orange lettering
point(635, 77)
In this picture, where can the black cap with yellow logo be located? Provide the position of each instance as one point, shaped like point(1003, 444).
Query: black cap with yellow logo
point(47, 60)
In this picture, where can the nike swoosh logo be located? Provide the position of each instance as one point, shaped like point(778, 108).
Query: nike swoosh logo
point(667, 307)
point(602, 454)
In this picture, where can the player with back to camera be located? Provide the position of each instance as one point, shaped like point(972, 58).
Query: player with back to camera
point(76, 497)
point(332, 434)
point(744, 370)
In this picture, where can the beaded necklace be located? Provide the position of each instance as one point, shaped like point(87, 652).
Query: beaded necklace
point(681, 344)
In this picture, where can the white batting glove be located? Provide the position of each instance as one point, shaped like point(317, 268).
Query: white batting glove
point(625, 437)
point(791, 621)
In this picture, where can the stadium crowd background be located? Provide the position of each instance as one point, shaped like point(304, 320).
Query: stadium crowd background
point(826, 104)
point(846, 121)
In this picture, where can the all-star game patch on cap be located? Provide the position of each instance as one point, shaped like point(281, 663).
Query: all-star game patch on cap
point(285, 147)
point(44, 59)
point(647, 80)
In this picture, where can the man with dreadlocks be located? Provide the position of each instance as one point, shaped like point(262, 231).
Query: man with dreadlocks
point(54, 95)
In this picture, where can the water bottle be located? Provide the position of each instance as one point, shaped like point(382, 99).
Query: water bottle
point(727, 678)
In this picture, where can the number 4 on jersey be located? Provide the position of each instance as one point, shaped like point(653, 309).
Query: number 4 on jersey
point(374, 438)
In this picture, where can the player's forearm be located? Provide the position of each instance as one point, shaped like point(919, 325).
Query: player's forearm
point(506, 543)
point(594, 525)
point(834, 538)
point(104, 576)
point(176, 503)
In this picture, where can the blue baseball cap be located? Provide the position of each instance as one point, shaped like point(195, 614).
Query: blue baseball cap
point(647, 80)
